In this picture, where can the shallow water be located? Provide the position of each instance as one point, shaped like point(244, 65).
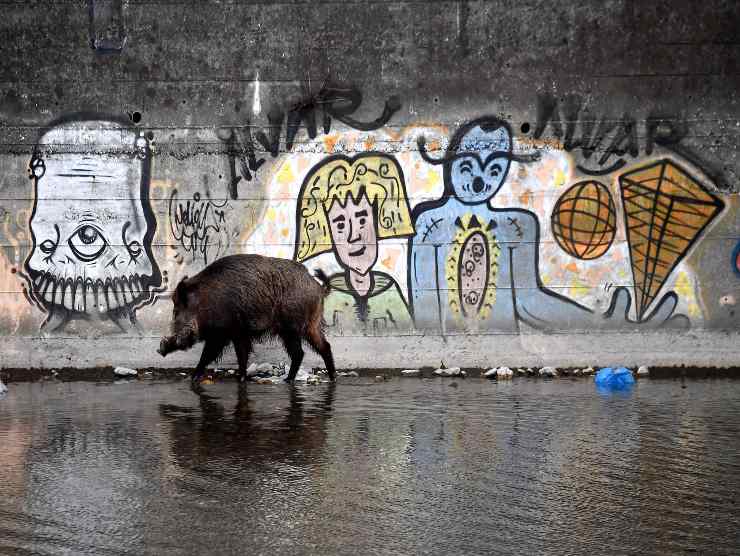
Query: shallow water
point(404, 466)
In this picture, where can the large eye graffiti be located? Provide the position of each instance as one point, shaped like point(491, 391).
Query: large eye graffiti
point(87, 243)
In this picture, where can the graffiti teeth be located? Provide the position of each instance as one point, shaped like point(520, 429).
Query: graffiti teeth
point(49, 290)
point(78, 296)
point(42, 285)
point(125, 291)
point(59, 293)
point(111, 295)
point(100, 297)
point(69, 294)
point(135, 286)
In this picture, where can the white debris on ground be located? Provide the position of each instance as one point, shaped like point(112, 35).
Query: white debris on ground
point(124, 371)
point(3, 389)
point(505, 373)
point(451, 371)
point(499, 373)
point(263, 368)
point(410, 372)
point(588, 371)
point(348, 373)
point(643, 371)
point(277, 374)
point(551, 372)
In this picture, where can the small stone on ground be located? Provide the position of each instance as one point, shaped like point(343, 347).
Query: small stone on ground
point(124, 371)
point(451, 371)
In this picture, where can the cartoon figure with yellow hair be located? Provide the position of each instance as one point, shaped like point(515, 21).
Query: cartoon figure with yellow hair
point(346, 205)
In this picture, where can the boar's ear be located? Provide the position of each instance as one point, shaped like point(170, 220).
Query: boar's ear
point(181, 293)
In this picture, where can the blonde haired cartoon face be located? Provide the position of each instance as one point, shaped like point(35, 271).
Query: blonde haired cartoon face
point(348, 204)
point(354, 233)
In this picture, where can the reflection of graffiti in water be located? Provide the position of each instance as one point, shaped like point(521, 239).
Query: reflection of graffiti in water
point(199, 225)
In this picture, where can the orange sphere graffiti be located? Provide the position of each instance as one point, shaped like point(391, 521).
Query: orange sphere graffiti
point(583, 220)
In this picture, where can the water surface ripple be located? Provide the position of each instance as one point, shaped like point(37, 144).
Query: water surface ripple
point(399, 467)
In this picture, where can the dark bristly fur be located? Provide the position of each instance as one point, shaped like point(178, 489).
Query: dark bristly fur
point(243, 299)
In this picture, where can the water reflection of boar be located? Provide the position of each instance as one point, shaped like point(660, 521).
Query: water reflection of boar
point(242, 299)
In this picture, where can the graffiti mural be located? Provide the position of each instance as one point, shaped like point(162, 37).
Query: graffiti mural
point(92, 224)
point(199, 226)
point(422, 228)
point(346, 205)
point(472, 267)
point(330, 101)
point(583, 220)
point(665, 211)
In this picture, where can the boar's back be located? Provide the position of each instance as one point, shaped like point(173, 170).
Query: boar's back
point(252, 293)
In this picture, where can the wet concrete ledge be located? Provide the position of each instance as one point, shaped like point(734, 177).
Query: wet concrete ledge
point(692, 349)
point(95, 374)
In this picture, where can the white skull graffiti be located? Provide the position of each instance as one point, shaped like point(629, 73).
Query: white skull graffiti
point(91, 223)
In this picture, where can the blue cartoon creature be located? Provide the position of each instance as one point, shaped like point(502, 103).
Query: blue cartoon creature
point(475, 268)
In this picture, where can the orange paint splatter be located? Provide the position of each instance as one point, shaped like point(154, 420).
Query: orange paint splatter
point(369, 143)
point(391, 258)
point(330, 142)
point(573, 267)
point(526, 197)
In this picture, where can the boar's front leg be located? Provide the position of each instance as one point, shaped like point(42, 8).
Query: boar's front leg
point(243, 348)
point(211, 350)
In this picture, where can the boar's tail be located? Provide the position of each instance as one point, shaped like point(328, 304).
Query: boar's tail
point(321, 275)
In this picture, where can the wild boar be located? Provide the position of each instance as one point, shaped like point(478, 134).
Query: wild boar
point(242, 299)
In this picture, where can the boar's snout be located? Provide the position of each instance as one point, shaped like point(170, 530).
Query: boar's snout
point(164, 347)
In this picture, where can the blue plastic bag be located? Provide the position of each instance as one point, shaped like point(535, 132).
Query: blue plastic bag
point(614, 379)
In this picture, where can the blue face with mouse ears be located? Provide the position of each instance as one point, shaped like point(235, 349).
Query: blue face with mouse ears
point(479, 165)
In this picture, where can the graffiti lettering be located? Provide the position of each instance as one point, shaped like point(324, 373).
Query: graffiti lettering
point(332, 101)
point(609, 137)
point(199, 226)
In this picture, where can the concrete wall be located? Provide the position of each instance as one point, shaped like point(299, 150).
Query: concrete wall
point(486, 182)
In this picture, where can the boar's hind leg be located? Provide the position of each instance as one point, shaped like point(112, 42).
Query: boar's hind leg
point(211, 351)
point(243, 348)
point(292, 344)
point(317, 341)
